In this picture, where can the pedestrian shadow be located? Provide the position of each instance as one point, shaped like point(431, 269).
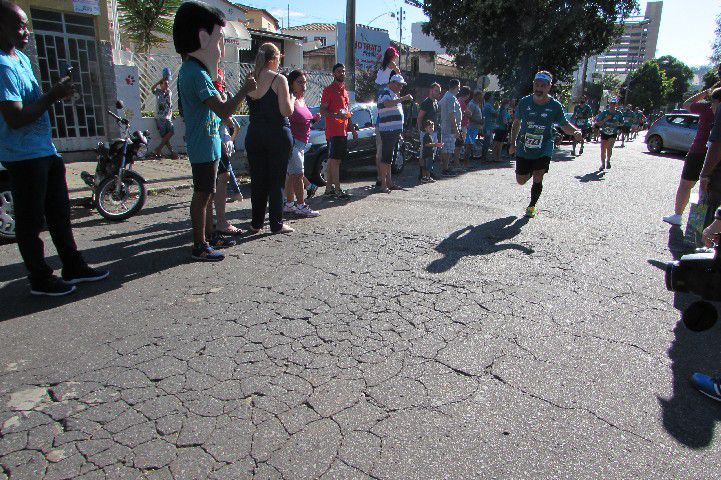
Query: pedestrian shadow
point(594, 176)
point(128, 260)
point(687, 415)
point(485, 239)
point(563, 156)
point(666, 154)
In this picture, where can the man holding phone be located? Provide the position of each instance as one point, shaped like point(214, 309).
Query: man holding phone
point(37, 173)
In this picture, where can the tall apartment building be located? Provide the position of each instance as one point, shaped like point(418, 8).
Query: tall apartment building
point(636, 45)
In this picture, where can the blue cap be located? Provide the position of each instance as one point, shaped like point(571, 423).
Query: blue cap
point(544, 77)
point(167, 73)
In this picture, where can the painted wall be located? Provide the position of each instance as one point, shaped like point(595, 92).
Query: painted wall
point(102, 24)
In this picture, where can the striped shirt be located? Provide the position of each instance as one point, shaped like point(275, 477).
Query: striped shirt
point(389, 119)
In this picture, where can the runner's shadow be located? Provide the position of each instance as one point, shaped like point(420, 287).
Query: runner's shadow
point(592, 177)
point(484, 239)
point(687, 415)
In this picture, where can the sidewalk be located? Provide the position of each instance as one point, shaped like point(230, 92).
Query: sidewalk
point(160, 175)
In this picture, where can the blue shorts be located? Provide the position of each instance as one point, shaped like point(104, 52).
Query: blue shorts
point(471, 136)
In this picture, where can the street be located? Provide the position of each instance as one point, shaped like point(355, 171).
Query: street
point(432, 333)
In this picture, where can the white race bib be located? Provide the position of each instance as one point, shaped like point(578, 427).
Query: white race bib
point(533, 141)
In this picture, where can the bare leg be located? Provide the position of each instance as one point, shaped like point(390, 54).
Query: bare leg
point(220, 199)
point(198, 206)
point(683, 194)
point(295, 184)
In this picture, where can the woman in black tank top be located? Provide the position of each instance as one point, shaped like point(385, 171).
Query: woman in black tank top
point(268, 143)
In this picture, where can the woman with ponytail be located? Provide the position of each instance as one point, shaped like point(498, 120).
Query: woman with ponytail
point(268, 142)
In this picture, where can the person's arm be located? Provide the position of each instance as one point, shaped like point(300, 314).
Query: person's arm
point(698, 97)
point(285, 102)
point(227, 108)
point(514, 135)
point(713, 156)
point(17, 113)
point(419, 120)
point(394, 102)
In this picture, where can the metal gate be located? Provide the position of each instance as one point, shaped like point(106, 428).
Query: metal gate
point(64, 40)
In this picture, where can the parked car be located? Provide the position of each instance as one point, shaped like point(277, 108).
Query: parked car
point(360, 152)
point(7, 211)
point(562, 136)
point(673, 131)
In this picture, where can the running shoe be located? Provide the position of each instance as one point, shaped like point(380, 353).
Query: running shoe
point(711, 387)
point(218, 240)
point(343, 194)
point(204, 253)
point(51, 287)
point(305, 211)
point(83, 274)
point(531, 212)
point(426, 180)
point(329, 192)
point(311, 190)
point(672, 219)
point(430, 180)
point(290, 207)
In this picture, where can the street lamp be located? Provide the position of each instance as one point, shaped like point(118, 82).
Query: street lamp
point(392, 14)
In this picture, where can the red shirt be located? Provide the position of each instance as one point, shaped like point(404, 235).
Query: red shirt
point(335, 96)
point(705, 123)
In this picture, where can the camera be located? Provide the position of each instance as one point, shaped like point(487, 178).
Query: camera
point(697, 273)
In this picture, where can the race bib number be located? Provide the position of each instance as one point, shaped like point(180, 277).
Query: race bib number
point(533, 141)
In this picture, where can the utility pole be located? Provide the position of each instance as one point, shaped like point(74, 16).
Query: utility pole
point(350, 45)
point(583, 78)
point(400, 40)
point(288, 24)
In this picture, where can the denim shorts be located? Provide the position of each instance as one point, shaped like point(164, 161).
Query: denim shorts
point(165, 126)
point(297, 158)
point(471, 135)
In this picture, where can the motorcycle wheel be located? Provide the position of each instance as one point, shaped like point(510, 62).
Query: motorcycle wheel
point(7, 212)
point(118, 207)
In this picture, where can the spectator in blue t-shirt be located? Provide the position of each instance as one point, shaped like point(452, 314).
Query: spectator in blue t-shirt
point(198, 38)
point(490, 118)
point(37, 173)
point(390, 127)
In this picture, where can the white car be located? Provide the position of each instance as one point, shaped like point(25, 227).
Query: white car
point(7, 212)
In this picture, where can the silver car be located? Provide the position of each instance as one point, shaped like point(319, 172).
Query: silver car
point(7, 213)
point(673, 131)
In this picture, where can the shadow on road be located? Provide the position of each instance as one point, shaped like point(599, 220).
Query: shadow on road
point(163, 247)
point(675, 155)
point(595, 176)
point(484, 239)
point(687, 415)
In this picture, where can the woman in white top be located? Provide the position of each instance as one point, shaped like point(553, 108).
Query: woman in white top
point(387, 70)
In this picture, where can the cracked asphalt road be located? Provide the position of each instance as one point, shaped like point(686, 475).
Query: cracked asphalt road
point(430, 333)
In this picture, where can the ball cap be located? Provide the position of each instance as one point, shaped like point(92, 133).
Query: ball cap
point(398, 79)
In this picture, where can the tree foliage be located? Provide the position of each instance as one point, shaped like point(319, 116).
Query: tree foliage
point(716, 45)
point(513, 38)
point(647, 87)
point(710, 78)
point(146, 21)
point(680, 73)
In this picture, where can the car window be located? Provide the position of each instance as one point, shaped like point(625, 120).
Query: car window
point(691, 121)
point(675, 119)
point(362, 118)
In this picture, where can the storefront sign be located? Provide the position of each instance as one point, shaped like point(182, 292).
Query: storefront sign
point(89, 7)
point(370, 45)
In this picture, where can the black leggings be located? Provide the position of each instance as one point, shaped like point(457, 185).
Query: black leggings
point(268, 150)
point(40, 195)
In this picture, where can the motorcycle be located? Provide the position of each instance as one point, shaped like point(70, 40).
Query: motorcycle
point(118, 191)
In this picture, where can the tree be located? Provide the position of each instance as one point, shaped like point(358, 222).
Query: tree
point(710, 78)
point(681, 74)
point(648, 87)
point(514, 38)
point(146, 21)
point(716, 45)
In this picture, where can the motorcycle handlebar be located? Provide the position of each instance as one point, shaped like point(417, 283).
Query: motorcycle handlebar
point(117, 117)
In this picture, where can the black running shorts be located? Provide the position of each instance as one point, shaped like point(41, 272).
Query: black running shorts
point(526, 166)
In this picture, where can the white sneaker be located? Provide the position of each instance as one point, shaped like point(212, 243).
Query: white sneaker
point(672, 219)
point(305, 211)
point(290, 207)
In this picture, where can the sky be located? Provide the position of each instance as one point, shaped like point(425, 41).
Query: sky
point(687, 26)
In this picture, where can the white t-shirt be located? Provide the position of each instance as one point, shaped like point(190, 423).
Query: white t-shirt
point(384, 76)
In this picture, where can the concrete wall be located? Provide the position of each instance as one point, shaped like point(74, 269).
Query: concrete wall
point(102, 23)
point(331, 38)
point(424, 42)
